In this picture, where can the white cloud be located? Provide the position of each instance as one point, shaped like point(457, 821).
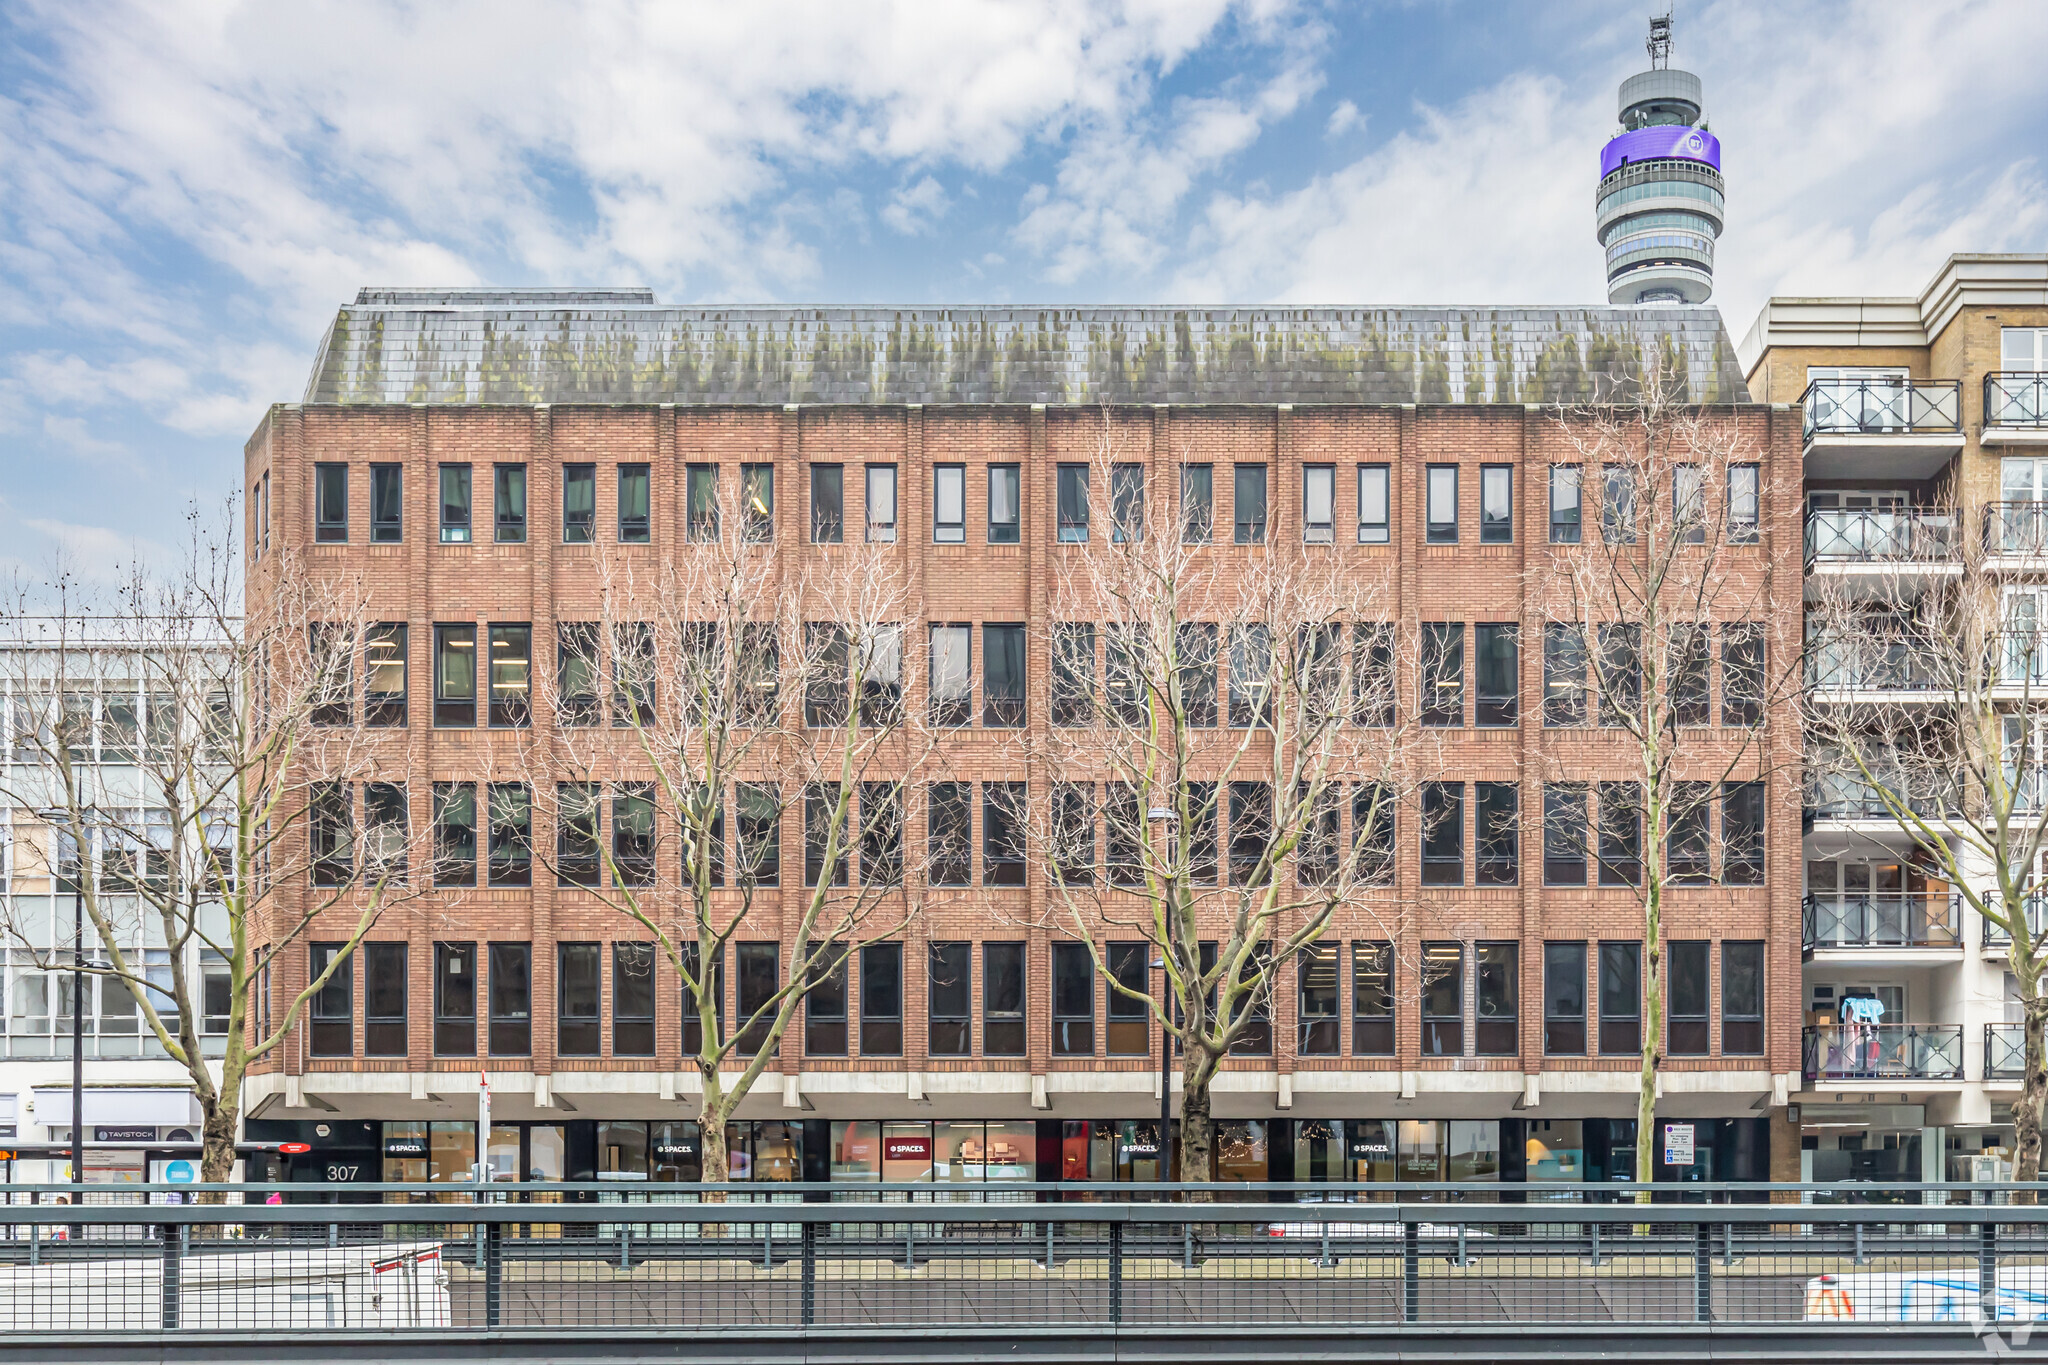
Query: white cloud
point(916, 209)
point(1343, 119)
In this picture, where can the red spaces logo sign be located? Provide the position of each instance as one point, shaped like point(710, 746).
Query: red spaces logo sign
point(907, 1149)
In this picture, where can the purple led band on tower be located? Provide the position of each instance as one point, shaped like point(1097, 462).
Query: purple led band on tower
point(1668, 140)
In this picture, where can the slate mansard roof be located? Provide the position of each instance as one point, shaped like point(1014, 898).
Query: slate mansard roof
point(570, 346)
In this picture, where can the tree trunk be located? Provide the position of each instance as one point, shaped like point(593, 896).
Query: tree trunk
point(716, 1163)
point(1653, 1035)
point(217, 1138)
point(2026, 1110)
point(1197, 1129)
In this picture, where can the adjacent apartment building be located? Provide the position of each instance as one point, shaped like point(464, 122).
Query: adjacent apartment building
point(571, 423)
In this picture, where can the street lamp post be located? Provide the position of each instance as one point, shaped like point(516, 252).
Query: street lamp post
point(60, 818)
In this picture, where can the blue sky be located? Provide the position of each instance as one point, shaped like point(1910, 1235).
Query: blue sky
point(188, 190)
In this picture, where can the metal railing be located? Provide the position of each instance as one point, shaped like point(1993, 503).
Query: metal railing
point(2019, 657)
point(1879, 406)
point(1871, 664)
point(2005, 1052)
point(1383, 1256)
point(1859, 1052)
point(2016, 528)
point(1998, 936)
point(1839, 796)
point(1835, 536)
point(2016, 398)
point(1881, 919)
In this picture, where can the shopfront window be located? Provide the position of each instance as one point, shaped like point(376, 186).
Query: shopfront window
point(856, 1150)
point(907, 1151)
point(676, 1153)
point(1240, 1152)
point(621, 1151)
point(1555, 1151)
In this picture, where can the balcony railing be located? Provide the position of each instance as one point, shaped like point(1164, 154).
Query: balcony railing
point(1868, 665)
point(1860, 1052)
point(1908, 534)
point(2016, 528)
point(1834, 796)
point(2005, 1052)
point(1998, 936)
point(2019, 658)
point(1880, 405)
point(1881, 919)
point(2016, 399)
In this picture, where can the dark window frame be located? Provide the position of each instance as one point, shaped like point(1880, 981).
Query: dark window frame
point(387, 504)
point(633, 997)
point(1496, 529)
point(1621, 997)
point(1443, 1032)
point(1372, 998)
point(1073, 999)
point(454, 960)
point(1250, 492)
point(510, 996)
point(949, 991)
point(330, 503)
point(1497, 998)
point(1564, 998)
point(508, 503)
point(456, 508)
point(1005, 1004)
point(579, 1023)
point(1440, 480)
point(634, 491)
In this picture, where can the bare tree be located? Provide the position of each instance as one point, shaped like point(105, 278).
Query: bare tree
point(189, 759)
point(1305, 739)
point(722, 694)
point(1669, 568)
point(1927, 708)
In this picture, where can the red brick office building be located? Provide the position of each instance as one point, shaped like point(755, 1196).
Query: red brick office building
point(952, 424)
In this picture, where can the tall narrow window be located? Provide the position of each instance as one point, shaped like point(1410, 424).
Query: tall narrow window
point(1202, 846)
point(511, 675)
point(578, 667)
point(1002, 676)
point(579, 504)
point(1621, 834)
point(1073, 503)
point(330, 504)
point(387, 504)
point(1564, 834)
point(511, 834)
point(949, 833)
point(1073, 832)
point(1742, 833)
point(577, 855)
point(1005, 505)
point(1564, 504)
point(881, 1000)
point(949, 504)
point(950, 986)
point(454, 834)
point(952, 676)
point(1319, 504)
point(1441, 504)
point(701, 510)
point(455, 999)
point(511, 996)
point(384, 1000)
point(758, 968)
point(1002, 999)
point(1374, 523)
point(1497, 647)
point(455, 675)
point(1621, 997)
point(1618, 505)
point(1248, 503)
point(1197, 503)
point(1255, 1004)
point(1123, 836)
point(1127, 1032)
point(1689, 670)
point(1073, 1001)
point(633, 833)
point(633, 999)
point(1564, 674)
point(1742, 999)
point(881, 503)
point(1197, 647)
point(1443, 673)
point(1372, 998)
point(828, 504)
point(713, 985)
point(757, 502)
point(1316, 1002)
point(633, 673)
point(1003, 814)
point(333, 1031)
point(881, 833)
point(1496, 504)
point(1073, 673)
point(1620, 670)
point(579, 991)
point(1564, 999)
point(1687, 1036)
point(1372, 831)
point(1742, 673)
point(1689, 840)
point(1251, 833)
point(636, 521)
point(824, 835)
point(328, 648)
point(1443, 999)
point(1742, 503)
point(759, 807)
point(455, 504)
point(1499, 821)
point(1443, 834)
point(1126, 502)
point(508, 499)
point(1251, 675)
point(1497, 1021)
point(1372, 672)
point(1689, 503)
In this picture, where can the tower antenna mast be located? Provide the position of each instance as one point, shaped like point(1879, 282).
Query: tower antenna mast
point(1659, 44)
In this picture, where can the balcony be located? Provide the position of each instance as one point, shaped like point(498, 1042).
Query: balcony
point(1869, 664)
point(1997, 938)
point(2015, 408)
point(2005, 1052)
point(1881, 427)
point(1884, 1052)
point(2019, 659)
point(2016, 529)
point(1881, 919)
point(1836, 797)
point(1866, 537)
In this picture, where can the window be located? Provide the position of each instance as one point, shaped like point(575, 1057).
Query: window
point(949, 833)
point(508, 484)
point(828, 504)
point(821, 824)
point(1443, 673)
point(1251, 676)
point(1254, 1005)
point(511, 834)
point(576, 673)
point(455, 504)
point(1316, 1007)
point(1688, 1026)
point(1620, 671)
point(1319, 504)
point(387, 826)
point(454, 999)
point(1743, 483)
point(1621, 997)
point(1005, 505)
point(1124, 834)
point(216, 987)
point(1002, 833)
point(332, 833)
point(1691, 665)
point(387, 504)
point(455, 675)
point(633, 669)
point(580, 998)
point(881, 503)
point(1689, 504)
point(1564, 674)
point(511, 675)
point(1564, 834)
point(1688, 844)
point(1564, 999)
point(327, 647)
point(576, 847)
point(511, 1000)
point(1073, 832)
point(757, 503)
point(1373, 520)
point(1196, 645)
point(759, 806)
point(1197, 503)
point(1618, 505)
point(1200, 833)
point(1443, 999)
point(950, 987)
point(1564, 504)
point(454, 834)
point(1073, 1001)
point(1496, 504)
point(1002, 680)
point(635, 511)
point(1126, 502)
point(1742, 833)
point(700, 493)
point(330, 504)
point(1621, 834)
point(1073, 673)
point(579, 504)
point(881, 1000)
point(1497, 1026)
point(1443, 834)
point(952, 677)
point(949, 504)
point(1073, 503)
point(1128, 1030)
point(759, 969)
point(1497, 646)
point(333, 1012)
point(1742, 999)
point(881, 833)
point(1248, 503)
point(1441, 509)
point(1126, 688)
point(1372, 998)
point(1372, 669)
point(1742, 673)
point(713, 986)
point(1500, 841)
point(1322, 815)
point(1372, 829)
point(1002, 1000)
point(633, 833)
point(384, 1000)
point(825, 1001)
point(1251, 832)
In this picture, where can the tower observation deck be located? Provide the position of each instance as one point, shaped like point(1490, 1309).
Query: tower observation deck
point(1660, 203)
